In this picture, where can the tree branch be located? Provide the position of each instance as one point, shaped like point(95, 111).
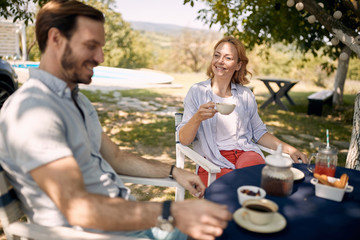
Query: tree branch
point(343, 33)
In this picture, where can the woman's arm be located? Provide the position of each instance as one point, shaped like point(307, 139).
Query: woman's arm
point(188, 132)
point(270, 141)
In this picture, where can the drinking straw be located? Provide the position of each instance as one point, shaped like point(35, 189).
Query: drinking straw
point(327, 139)
point(328, 146)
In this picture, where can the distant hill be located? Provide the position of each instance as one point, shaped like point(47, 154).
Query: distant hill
point(164, 29)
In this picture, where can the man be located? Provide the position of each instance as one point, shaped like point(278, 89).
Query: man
point(62, 165)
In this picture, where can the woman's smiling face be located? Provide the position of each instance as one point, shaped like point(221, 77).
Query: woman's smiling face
point(225, 60)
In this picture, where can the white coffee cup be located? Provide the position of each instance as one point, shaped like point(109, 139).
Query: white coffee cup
point(259, 211)
point(224, 108)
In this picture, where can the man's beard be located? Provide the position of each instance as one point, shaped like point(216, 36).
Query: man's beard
point(69, 64)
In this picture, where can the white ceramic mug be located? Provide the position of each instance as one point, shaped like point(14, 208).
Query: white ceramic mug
point(224, 108)
point(259, 211)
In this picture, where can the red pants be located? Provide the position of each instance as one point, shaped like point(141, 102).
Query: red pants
point(239, 158)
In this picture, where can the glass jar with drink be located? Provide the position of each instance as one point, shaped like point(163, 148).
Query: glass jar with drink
point(325, 161)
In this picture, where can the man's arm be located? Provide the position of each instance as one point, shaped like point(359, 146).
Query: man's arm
point(130, 164)
point(62, 181)
point(127, 163)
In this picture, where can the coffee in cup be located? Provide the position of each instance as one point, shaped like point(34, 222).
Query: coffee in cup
point(259, 211)
point(224, 108)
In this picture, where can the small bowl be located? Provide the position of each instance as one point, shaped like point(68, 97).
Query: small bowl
point(329, 192)
point(243, 196)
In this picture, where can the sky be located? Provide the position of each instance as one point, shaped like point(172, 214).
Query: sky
point(161, 11)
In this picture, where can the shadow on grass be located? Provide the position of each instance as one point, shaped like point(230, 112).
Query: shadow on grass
point(150, 135)
point(296, 122)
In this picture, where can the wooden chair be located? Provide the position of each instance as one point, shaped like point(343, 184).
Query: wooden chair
point(185, 151)
point(15, 227)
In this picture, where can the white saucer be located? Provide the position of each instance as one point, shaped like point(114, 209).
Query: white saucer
point(276, 225)
point(298, 175)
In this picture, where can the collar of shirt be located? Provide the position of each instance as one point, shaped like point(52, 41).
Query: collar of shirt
point(56, 85)
point(207, 84)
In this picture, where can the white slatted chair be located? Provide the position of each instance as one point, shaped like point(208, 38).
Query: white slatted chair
point(161, 182)
point(14, 227)
point(181, 152)
point(185, 151)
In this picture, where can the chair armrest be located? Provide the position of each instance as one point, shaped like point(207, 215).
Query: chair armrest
point(162, 182)
point(268, 150)
point(198, 159)
point(38, 232)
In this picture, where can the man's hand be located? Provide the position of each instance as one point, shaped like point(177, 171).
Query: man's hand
point(200, 219)
point(189, 181)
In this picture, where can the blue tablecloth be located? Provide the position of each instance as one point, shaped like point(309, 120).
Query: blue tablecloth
point(307, 216)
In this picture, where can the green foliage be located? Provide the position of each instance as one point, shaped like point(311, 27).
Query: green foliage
point(354, 69)
point(192, 51)
point(19, 10)
point(186, 50)
point(286, 62)
point(32, 46)
point(268, 22)
point(124, 47)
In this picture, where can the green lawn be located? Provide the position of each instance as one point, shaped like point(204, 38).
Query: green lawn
point(152, 136)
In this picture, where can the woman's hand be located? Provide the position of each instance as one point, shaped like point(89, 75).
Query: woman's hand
point(296, 155)
point(206, 111)
point(270, 141)
point(188, 132)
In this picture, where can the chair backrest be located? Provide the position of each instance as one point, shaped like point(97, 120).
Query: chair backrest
point(184, 151)
point(10, 208)
point(178, 118)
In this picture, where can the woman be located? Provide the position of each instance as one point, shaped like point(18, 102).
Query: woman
point(227, 140)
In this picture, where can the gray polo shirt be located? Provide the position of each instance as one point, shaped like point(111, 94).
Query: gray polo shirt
point(249, 126)
point(39, 124)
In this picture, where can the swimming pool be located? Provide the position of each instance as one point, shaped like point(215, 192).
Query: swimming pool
point(102, 73)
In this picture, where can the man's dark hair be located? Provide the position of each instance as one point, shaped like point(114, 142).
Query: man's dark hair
point(62, 14)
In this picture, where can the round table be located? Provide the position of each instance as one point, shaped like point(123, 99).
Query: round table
point(307, 216)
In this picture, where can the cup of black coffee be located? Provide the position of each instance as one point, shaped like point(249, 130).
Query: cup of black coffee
point(259, 211)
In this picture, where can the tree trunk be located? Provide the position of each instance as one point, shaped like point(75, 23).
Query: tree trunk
point(353, 157)
point(340, 77)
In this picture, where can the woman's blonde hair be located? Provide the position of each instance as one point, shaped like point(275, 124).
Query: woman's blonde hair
point(240, 75)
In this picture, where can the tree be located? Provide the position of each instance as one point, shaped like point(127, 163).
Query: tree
point(268, 22)
point(193, 50)
point(124, 47)
point(19, 10)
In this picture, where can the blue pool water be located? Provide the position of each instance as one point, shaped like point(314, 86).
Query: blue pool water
point(33, 65)
point(101, 72)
